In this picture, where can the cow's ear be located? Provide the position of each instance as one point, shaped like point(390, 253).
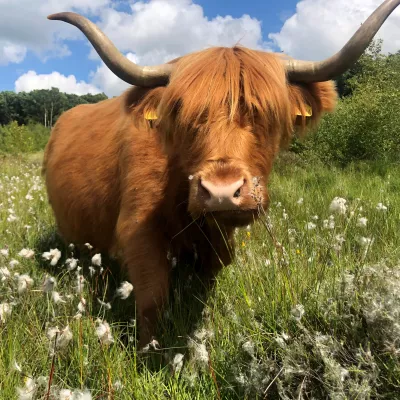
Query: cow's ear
point(310, 101)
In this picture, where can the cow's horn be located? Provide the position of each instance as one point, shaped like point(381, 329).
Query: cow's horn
point(310, 71)
point(128, 71)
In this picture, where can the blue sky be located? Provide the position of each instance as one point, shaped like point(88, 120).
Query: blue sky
point(58, 55)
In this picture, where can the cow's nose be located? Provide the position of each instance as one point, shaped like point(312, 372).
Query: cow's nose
point(221, 196)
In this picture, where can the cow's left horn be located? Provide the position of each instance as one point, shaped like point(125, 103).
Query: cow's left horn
point(310, 71)
point(126, 70)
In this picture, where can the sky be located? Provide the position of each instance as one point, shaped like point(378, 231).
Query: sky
point(36, 53)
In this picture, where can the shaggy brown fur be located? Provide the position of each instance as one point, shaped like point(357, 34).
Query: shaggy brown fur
point(123, 186)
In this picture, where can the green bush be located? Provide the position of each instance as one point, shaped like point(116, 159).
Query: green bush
point(16, 138)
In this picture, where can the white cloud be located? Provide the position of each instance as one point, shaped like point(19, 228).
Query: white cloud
point(320, 28)
point(68, 84)
point(24, 26)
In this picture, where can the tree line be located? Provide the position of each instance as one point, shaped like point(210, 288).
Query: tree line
point(40, 106)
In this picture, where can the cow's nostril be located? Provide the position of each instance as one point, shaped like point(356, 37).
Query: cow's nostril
point(237, 194)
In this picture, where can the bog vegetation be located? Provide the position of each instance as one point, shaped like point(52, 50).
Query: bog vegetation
point(309, 309)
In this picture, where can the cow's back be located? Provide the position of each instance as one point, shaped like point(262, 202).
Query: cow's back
point(81, 171)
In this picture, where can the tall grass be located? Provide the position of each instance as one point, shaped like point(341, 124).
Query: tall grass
point(309, 309)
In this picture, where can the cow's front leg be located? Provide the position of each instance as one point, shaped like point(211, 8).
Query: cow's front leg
point(145, 259)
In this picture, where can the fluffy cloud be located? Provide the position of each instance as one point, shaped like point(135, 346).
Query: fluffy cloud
point(68, 84)
point(29, 29)
point(320, 28)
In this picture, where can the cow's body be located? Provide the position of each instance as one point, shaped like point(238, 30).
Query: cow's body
point(141, 191)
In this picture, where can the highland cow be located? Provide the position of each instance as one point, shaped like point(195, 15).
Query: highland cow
point(183, 157)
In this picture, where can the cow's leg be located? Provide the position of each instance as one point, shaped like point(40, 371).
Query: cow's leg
point(145, 259)
point(219, 253)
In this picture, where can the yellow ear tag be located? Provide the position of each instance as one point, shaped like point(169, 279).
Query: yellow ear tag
point(150, 116)
point(308, 112)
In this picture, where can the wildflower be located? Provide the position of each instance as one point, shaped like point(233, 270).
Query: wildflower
point(200, 353)
point(4, 273)
point(28, 392)
point(248, 347)
point(96, 260)
point(4, 252)
point(338, 205)
point(57, 298)
point(298, 312)
point(82, 305)
point(5, 310)
point(92, 271)
point(71, 263)
point(26, 253)
point(103, 332)
point(381, 207)
point(53, 256)
point(362, 222)
point(24, 282)
point(364, 241)
point(29, 197)
point(300, 201)
point(89, 246)
point(65, 394)
point(310, 226)
point(124, 290)
point(329, 223)
point(177, 362)
point(49, 284)
point(13, 263)
point(107, 306)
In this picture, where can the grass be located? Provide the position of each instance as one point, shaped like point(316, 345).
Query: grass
point(301, 314)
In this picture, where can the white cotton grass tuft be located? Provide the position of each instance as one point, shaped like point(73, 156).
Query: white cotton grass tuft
point(298, 312)
point(5, 252)
point(57, 298)
point(107, 306)
point(4, 274)
point(362, 222)
point(103, 332)
point(5, 311)
point(26, 253)
point(310, 226)
point(96, 260)
point(24, 282)
point(124, 290)
point(71, 263)
point(49, 284)
point(13, 263)
point(199, 353)
point(53, 256)
point(381, 207)
point(177, 362)
point(338, 205)
point(82, 305)
point(65, 394)
point(59, 339)
point(28, 392)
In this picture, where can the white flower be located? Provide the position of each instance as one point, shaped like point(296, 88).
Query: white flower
point(28, 392)
point(65, 394)
point(103, 332)
point(381, 207)
point(200, 353)
point(267, 262)
point(78, 395)
point(362, 222)
point(5, 310)
point(96, 260)
point(4, 273)
point(64, 338)
point(124, 290)
point(54, 255)
point(364, 241)
point(92, 271)
point(107, 306)
point(82, 305)
point(310, 226)
point(29, 197)
point(57, 298)
point(27, 253)
point(49, 284)
point(338, 205)
point(177, 362)
point(89, 246)
point(13, 263)
point(4, 252)
point(71, 263)
point(298, 312)
point(24, 282)
point(300, 201)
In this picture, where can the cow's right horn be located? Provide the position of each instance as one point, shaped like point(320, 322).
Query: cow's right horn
point(317, 71)
point(128, 71)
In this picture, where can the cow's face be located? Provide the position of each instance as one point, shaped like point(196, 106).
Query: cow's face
point(224, 116)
